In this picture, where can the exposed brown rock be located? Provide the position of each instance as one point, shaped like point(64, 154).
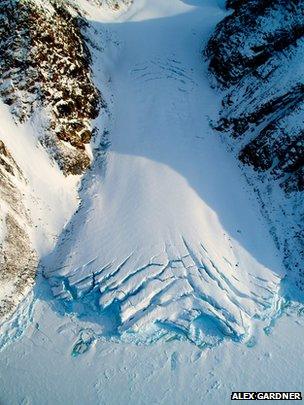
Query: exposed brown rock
point(45, 62)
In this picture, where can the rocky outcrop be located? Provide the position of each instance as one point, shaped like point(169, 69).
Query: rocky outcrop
point(256, 56)
point(113, 4)
point(45, 65)
point(18, 259)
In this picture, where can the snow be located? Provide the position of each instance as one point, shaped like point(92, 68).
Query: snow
point(168, 245)
point(50, 197)
point(39, 367)
point(168, 228)
point(39, 198)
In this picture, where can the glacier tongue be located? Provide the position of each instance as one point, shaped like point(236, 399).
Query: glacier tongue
point(168, 233)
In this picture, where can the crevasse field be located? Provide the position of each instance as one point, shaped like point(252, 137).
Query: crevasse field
point(164, 286)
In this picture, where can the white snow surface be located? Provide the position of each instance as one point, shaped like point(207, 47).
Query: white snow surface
point(168, 232)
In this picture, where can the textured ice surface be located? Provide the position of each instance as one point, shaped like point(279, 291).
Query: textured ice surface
point(168, 233)
point(39, 367)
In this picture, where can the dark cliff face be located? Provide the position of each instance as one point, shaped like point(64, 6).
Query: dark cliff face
point(256, 56)
point(45, 64)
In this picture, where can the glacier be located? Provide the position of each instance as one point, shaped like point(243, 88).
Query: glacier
point(167, 245)
point(167, 232)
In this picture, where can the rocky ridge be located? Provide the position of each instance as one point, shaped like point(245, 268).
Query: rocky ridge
point(256, 56)
point(45, 65)
point(18, 259)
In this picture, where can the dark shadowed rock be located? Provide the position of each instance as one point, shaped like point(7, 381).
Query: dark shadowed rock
point(256, 55)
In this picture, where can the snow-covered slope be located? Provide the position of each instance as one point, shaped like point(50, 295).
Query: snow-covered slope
point(168, 235)
point(36, 201)
point(45, 69)
point(256, 56)
point(45, 127)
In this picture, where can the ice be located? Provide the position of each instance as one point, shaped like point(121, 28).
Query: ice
point(168, 231)
point(165, 280)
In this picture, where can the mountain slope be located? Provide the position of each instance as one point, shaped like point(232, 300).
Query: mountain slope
point(18, 258)
point(46, 64)
point(48, 102)
point(255, 54)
